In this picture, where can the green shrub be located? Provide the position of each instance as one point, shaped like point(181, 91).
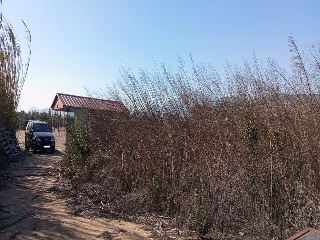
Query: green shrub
point(77, 148)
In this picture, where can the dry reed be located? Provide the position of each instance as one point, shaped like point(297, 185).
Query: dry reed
point(229, 155)
point(12, 73)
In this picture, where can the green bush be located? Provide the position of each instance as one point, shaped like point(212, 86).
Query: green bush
point(77, 149)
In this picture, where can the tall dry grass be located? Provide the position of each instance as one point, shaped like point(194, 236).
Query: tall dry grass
point(221, 155)
point(13, 73)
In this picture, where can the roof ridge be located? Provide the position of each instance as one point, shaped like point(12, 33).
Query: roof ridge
point(69, 100)
point(71, 95)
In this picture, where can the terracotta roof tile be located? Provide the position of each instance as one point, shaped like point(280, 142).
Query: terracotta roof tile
point(87, 103)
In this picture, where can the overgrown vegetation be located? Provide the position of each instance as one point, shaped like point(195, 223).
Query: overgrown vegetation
point(12, 73)
point(221, 155)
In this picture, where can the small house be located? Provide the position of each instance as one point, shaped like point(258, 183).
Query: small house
point(75, 106)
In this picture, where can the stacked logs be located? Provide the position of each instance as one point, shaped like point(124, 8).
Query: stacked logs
point(9, 145)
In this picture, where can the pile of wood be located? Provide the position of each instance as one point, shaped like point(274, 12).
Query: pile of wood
point(9, 145)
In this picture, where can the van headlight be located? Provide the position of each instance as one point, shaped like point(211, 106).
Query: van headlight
point(52, 139)
point(38, 139)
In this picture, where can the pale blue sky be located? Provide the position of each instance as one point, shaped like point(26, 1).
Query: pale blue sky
point(84, 43)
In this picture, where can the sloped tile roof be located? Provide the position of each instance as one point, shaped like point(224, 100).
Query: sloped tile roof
point(73, 101)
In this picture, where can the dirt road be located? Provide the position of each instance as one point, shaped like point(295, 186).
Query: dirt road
point(31, 207)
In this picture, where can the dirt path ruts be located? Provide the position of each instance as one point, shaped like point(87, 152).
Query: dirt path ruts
point(30, 208)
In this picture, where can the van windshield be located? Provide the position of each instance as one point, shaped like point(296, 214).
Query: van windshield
point(41, 127)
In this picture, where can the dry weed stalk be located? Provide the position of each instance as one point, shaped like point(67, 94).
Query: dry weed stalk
point(12, 73)
point(233, 157)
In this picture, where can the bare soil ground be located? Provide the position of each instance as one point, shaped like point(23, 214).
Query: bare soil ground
point(32, 206)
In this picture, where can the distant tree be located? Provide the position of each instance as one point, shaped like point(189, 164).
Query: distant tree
point(52, 118)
